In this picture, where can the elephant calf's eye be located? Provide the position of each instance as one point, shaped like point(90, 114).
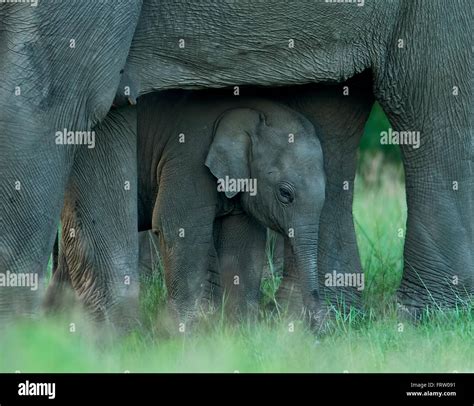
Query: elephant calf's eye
point(286, 194)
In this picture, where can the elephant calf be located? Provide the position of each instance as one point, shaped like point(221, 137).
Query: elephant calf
point(214, 172)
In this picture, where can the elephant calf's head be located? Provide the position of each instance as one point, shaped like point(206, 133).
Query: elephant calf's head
point(272, 159)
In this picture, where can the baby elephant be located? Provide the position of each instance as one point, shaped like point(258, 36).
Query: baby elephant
point(213, 173)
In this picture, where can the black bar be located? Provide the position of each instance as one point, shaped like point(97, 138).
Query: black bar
point(317, 389)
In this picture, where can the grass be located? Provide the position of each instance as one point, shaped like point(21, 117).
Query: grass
point(375, 342)
point(380, 215)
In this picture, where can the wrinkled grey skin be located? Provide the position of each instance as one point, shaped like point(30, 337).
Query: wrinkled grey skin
point(61, 87)
point(237, 43)
point(212, 243)
point(100, 245)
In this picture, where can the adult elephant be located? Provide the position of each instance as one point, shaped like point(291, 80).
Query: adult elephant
point(60, 66)
point(421, 76)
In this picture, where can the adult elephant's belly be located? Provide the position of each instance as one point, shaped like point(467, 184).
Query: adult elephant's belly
point(217, 44)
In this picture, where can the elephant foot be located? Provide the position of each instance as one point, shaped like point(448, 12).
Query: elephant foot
point(60, 295)
point(187, 319)
point(417, 304)
point(409, 314)
point(319, 319)
point(59, 301)
point(21, 295)
point(289, 299)
point(316, 317)
point(124, 315)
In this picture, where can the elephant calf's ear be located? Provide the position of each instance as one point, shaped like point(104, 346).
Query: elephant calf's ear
point(229, 152)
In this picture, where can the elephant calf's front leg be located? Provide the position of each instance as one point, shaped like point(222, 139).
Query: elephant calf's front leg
point(186, 261)
point(184, 222)
point(240, 245)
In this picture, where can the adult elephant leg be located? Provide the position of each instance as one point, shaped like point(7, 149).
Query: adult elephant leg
point(33, 176)
point(340, 113)
point(430, 105)
point(148, 260)
point(438, 267)
point(438, 256)
point(240, 246)
point(60, 295)
point(99, 222)
point(60, 65)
